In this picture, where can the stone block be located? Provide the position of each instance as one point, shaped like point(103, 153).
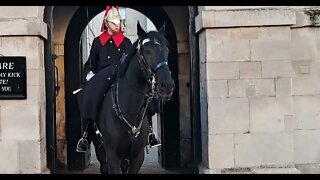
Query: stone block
point(184, 89)
point(33, 77)
point(9, 157)
point(306, 110)
point(289, 123)
point(267, 113)
point(184, 106)
point(251, 87)
point(306, 84)
point(228, 34)
point(23, 27)
point(24, 125)
point(59, 50)
point(283, 87)
point(21, 12)
point(222, 71)
point(221, 154)
point(303, 44)
point(183, 47)
point(185, 127)
point(184, 64)
point(275, 33)
point(29, 157)
point(306, 146)
point(217, 88)
point(277, 69)
point(227, 50)
point(261, 149)
point(250, 70)
point(228, 115)
point(244, 18)
point(273, 43)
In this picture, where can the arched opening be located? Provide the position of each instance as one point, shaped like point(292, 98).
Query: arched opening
point(170, 112)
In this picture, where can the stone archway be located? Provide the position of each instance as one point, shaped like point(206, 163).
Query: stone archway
point(67, 31)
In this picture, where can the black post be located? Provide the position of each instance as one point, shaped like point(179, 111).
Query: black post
point(50, 93)
point(194, 89)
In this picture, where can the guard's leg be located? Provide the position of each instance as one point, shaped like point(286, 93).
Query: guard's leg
point(99, 148)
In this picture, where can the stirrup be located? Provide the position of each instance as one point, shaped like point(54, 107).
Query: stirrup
point(156, 137)
point(83, 144)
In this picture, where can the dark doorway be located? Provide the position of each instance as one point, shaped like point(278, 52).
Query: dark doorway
point(73, 72)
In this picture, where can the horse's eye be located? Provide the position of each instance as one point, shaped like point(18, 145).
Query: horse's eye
point(147, 51)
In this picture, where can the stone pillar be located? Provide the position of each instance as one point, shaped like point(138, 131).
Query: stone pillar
point(258, 78)
point(22, 122)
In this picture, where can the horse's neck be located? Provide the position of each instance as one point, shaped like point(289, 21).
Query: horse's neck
point(131, 86)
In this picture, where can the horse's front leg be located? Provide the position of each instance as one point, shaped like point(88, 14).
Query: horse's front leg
point(136, 162)
point(100, 153)
point(113, 162)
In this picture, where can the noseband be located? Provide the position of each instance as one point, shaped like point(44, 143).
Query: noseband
point(150, 76)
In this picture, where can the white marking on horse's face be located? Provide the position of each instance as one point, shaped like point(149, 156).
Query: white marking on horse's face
point(145, 41)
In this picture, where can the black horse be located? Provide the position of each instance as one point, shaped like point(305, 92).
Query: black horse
point(123, 123)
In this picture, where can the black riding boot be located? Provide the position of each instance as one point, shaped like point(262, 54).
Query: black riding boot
point(83, 143)
point(152, 139)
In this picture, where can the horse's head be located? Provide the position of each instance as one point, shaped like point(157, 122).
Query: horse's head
point(154, 52)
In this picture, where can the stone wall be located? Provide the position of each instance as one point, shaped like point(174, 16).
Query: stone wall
point(259, 88)
point(22, 122)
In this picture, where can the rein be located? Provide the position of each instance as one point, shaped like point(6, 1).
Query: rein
point(116, 106)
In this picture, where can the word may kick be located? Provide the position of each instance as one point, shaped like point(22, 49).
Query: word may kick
point(10, 74)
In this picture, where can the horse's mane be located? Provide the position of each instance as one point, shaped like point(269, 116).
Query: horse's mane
point(123, 67)
point(125, 64)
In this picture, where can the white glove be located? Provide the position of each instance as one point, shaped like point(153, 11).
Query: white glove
point(89, 75)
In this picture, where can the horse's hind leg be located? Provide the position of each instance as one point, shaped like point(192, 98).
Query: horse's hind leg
point(136, 162)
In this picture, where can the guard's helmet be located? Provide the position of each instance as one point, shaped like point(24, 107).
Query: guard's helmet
point(112, 14)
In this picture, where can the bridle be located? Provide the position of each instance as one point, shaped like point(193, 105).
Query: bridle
point(150, 77)
point(150, 72)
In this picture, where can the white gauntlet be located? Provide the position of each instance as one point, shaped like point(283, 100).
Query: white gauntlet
point(89, 75)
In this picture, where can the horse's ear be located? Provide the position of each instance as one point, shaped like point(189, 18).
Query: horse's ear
point(163, 29)
point(141, 32)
